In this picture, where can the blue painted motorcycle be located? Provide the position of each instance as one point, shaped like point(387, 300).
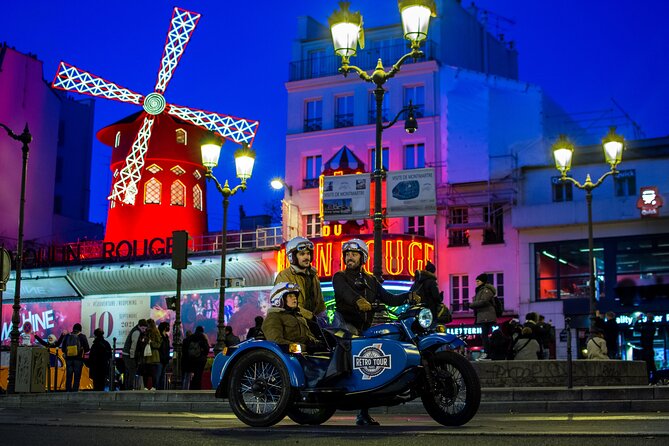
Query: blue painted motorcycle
point(390, 364)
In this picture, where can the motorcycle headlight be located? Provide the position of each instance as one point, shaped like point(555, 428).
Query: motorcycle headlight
point(425, 318)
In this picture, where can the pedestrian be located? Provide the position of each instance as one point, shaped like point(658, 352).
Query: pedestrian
point(596, 346)
point(355, 290)
point(197, 350)
point(75, 345)
point(484, 310)
point(130, 359)
point(230, 339)
point(425, 285)
point(164, 350)
point(524, 346)
point(99, 359)
point(300, 253)
point(647, 330)
point(611, 334)
point(151, 356)
point(546, 336)
point(256, 332)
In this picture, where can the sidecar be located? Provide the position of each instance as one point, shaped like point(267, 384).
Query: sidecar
point(265, 382)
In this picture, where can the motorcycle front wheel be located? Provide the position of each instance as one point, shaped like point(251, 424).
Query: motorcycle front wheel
point(314, 417)
point(453, 394)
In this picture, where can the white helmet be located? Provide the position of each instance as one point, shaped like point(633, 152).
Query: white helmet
point(279, 292)
point(356, 245)
point(298, 244)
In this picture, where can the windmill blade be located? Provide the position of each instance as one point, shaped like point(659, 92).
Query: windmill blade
point(71, 78)
point(236, 129)
point(124, 189)
point(181, 27)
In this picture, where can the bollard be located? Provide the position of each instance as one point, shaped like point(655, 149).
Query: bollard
point(112, 368)
point(570, 377)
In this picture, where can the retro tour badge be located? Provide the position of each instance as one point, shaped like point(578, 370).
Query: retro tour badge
point(650, 202)
point(371, 361)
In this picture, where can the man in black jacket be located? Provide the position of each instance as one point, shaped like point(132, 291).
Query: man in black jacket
point(355, 291)
point(425, 285)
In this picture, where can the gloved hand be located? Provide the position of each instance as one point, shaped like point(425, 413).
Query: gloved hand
point(414, 298)
point(363, 305)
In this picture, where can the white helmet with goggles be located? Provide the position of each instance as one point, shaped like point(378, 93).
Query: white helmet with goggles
point(280, 290)
point(356, 245)
point(298, 244)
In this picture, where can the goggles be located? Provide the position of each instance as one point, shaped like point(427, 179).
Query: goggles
point(304, 246)
point(288, 288)
point(352, 246)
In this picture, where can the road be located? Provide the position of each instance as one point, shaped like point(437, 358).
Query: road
point(113, 428)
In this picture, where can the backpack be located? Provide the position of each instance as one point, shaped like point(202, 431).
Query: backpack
point(194, 350)
point(72, 346)
point(499, 306)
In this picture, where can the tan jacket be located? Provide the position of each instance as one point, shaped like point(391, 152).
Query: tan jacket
point(310, 304)
point(286, 327)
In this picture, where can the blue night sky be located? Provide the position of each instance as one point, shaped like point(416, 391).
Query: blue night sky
point(583, 53)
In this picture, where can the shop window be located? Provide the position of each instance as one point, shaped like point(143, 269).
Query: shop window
point(624, 183)
point(178, 194)
point(561, 190)
point(152, 191)
point(562, 270)
point(459, 292)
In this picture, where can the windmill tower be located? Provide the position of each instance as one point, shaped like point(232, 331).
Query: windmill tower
point(158, 183)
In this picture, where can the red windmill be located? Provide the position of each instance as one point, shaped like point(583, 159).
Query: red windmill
point(179, 156)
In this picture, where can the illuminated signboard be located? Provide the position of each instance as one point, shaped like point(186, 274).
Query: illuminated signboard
point(402, 254)
point(649, 202)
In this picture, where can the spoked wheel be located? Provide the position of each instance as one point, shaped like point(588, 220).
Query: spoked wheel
point(260, 389)
point(453, 394)
point(315, 416)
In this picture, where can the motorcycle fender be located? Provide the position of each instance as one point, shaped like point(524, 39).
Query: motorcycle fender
point(436, 340)
point(222, 366)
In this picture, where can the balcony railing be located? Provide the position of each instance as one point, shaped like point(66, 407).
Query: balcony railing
point(310, 183)
point(366, 59)
point(343, 120)
point(313, 124)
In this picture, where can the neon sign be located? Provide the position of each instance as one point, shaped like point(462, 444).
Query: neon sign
point(402, 254)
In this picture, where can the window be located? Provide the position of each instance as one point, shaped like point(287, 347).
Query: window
point(385, 154)
point(416, 225)
point(385, 111)
point(416, 95)
point(316, 60)
point(182, 136)
point(313, 115)
point(312, 170)
point(178, 170)
point(624, 183)
point(494, 231)
point(344, 112)
point(117, 140)
point(458, 236)
point(414, 156)
point(154, 168)
point(460, 292)
point(562, 190)
point(197, 198)
point(562, 269)
point(178, 194)
point(313, 225)
point(152, 191)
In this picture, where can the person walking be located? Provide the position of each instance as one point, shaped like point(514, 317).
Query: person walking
point(484, 310)
point(164, 351)
point(300, 253)
point(197, 352)
point(355, 290)
point(98, 360)
point(130, 359)
point(75, 345)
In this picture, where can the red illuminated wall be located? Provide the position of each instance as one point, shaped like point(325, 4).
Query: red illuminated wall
point(147, 221)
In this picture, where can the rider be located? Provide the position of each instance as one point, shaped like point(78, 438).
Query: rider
point(355, 290)
point(300, 252)
point(284, 323)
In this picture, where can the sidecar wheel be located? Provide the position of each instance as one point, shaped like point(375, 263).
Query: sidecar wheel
point(455, 395)
point(260, 389)
point(314, 417)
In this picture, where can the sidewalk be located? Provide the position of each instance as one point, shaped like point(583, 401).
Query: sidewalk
point(493, 400)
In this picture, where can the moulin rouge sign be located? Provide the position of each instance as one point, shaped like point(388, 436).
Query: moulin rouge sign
point(402, 254)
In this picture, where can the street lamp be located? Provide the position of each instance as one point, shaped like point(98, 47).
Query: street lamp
point(347, 34)
point(24, 138)
point(613, 145)
point(288, 227)
point(244, 160)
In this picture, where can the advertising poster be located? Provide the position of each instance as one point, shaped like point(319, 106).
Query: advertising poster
point(346, 197)
point(411, 193)
point(115, 315)
point(41, 318)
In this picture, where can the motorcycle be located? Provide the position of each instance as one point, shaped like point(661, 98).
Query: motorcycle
point(392, 363)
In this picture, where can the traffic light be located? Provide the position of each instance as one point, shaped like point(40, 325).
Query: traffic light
point(179, 249)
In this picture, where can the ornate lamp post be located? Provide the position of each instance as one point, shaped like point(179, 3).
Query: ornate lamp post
point(244, 160)
point(613, 145)
point(24, 138)
point(347, 34)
